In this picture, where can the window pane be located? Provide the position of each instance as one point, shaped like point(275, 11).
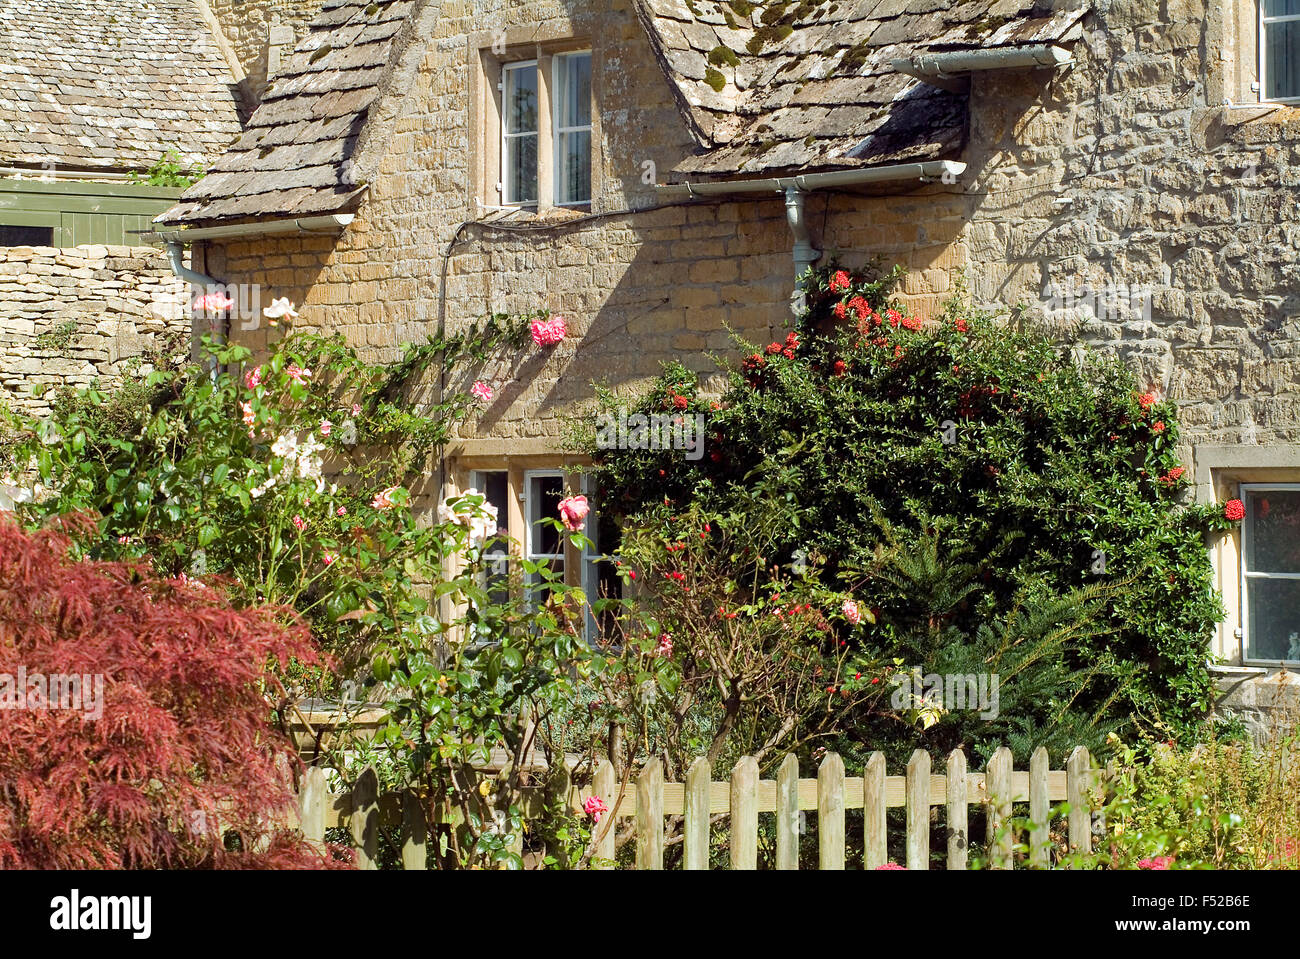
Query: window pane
point(575, 167)
point(521, 169)
point(1274, 535)
point(544, 495)
point(575, 90)
point(1281, 8)
point(1273, 618)
point(520, 106)
point(1283, 59)
point(26, 236)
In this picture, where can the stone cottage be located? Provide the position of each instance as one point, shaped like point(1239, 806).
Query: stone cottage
point(657, 170)
point(93, 95)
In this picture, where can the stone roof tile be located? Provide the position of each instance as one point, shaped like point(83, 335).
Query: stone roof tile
point(113, 86)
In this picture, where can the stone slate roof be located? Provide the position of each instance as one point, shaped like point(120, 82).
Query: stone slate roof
point(808, 84)
point(293, 159)
point(98, 84)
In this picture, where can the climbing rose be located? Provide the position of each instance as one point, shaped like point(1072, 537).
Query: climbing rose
point(665, 647)
point(330, 558)
point(891, 865)
point(325, 427)
point(279, 309)
point(840, 281)
point(253, 378)
point(1156, 862)
point(299, 523)
point(481, 391)
point(595, 808)
point(297, 373)
point(247, 410)
point(213, 302)
point(573, 510)
point(384, 499)
point(1235, 510)
point(851, 612)
point(548, 332)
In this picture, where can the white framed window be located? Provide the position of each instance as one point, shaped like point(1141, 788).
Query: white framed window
point(600, 579)
point(519, 133)
point(1279, 50)
point(571, 129)
point(495, 487)
point(1270, 573)
point(543, 490)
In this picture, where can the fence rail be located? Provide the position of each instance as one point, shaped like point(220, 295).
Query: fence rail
point(647, 799)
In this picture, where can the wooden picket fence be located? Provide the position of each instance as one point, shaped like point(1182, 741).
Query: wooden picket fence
point(648, 800)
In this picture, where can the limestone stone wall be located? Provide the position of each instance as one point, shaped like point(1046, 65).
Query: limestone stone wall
point(637, 288)
point(70, 317)
point(247, 24)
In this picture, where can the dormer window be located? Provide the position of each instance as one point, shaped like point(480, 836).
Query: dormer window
point(538, 126)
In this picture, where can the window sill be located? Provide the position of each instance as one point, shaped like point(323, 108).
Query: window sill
point(1236, 670)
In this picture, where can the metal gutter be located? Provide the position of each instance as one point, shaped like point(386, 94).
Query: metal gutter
point(924, 171)
point(330, 223)
point(950, 69)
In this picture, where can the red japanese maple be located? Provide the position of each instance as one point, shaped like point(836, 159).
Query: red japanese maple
point(182, 754)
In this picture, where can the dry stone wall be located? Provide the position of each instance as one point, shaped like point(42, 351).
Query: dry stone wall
point(75, 316)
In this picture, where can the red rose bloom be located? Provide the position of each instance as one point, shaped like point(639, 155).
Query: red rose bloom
point(1235, 510)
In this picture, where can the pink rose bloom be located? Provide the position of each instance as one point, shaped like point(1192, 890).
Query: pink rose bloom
point(548, 332)
point(299, 523)
point(891, 865)
point(325, 427)
point(851, 612)
point(482, 391)
point(356, 409)
point(124, 540)
point(213, 302)
point(595, 808)
point(247, 410)
point(573, 510)
point(297, 373)
point(384, 500)
point(330, 558)
point(253, 378)
point(342, 511)
point(665, 646)
point(1156, 862)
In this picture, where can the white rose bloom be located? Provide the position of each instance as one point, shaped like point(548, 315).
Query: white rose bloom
point(279, 308)
point(286, 447)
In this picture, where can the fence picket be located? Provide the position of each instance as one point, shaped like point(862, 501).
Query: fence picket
point(875, 846)
point(604, 787)
point(364, 820)
point(1039, 808)
point(830, 813)
point(787, 813)
point(650, 817)
point(1077, 780)
point(744, 814)
point(958, 810)
point(311, 804)
point(999, 808)
point(696, 835)
point(415, 835)
point(918, 810)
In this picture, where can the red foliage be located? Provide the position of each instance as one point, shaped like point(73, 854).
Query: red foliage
point(183, 741)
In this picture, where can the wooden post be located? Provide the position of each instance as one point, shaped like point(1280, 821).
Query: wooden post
point(415, 836)
point(1039, 810)
point(830, 813)
point(603, 785)
point(1078, 778)
point(787, 813)
point(918, 810)
point(696, 837)
point(999, 808)
point(958, 811)
point(875, 851)
point(311, 804)
point(744, 814)
point(364, 821)
point(650, 816)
